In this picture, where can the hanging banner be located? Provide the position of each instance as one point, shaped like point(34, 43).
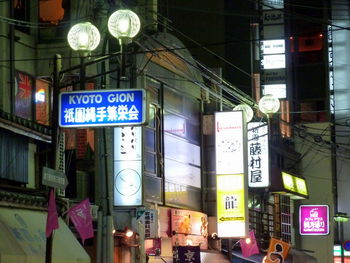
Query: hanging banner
point(278, 251)
point(188, 254)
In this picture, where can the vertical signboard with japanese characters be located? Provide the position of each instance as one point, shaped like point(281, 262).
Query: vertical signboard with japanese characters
point(231, 187)
point(258, 155)
point(128, 166)
point(149, 219)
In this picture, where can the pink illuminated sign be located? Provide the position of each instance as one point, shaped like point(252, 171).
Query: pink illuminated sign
point(314, 219)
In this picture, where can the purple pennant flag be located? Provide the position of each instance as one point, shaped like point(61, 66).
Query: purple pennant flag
point(52, 216)
point(251, 247)
point(82, 219)
point(187, 254)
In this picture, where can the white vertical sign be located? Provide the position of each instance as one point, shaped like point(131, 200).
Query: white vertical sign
point(229, 142)
point(231, 186)
point(258, 155)
point(128, 166)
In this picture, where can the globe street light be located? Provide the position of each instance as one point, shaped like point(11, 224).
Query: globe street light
point(83, 37)
point(247, 111)
point(269, 104)
point(124, 24)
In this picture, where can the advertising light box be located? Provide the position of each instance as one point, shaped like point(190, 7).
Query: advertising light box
point(314, 219)
point(274, 61)
point(231, 206)
point(102, 108)
point(229, 142)
point(128, 166)
point(278, 90)
point(273, 4)
point(276, 46)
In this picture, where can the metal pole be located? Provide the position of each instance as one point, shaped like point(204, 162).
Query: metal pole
point(82, 72)
point(99, 237)
point(54, 138)
point(229, 249)
point(341, 241)
point(109, 239)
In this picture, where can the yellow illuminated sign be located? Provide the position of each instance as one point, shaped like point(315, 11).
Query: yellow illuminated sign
point(230, 205)
point(294, 184)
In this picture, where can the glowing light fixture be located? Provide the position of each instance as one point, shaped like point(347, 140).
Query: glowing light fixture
point(83, 37)
point(129, 233)
point(341, 217)
point(269, 104)
point(124, 24)
point(247, 111)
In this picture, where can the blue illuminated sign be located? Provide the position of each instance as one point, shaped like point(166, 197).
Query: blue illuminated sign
point(102, 108)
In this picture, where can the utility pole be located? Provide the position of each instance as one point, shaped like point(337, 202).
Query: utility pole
point(54, 138)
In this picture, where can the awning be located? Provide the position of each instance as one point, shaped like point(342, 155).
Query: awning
point(22, 239)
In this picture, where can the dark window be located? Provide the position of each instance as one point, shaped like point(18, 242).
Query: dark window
point(13, 157)
point(21, 13)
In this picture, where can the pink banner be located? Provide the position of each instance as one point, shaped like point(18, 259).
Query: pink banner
point(82, 219)
point(52, 216)
point(249, 245)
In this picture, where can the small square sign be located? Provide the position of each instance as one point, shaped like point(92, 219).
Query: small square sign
point(314, 219)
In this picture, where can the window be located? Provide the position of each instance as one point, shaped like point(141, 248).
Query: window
point(21, 13)
point(42, 102)
point(286, 218)
point(13, 157)
point(53, 13)
point(182, 157)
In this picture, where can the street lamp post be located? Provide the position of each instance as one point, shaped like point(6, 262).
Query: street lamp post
point(269, 105)
point(123, 25)
point(84, 38)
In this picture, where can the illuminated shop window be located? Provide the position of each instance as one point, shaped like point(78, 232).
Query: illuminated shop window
point(42, 105)
point(51, 11)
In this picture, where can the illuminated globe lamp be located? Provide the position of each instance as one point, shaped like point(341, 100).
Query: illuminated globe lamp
point(124, 24)
point(269, 105)
point(247, 111)
point(83, 37)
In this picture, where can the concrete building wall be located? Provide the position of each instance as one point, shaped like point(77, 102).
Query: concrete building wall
point(341, 56)
point(316, 168)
